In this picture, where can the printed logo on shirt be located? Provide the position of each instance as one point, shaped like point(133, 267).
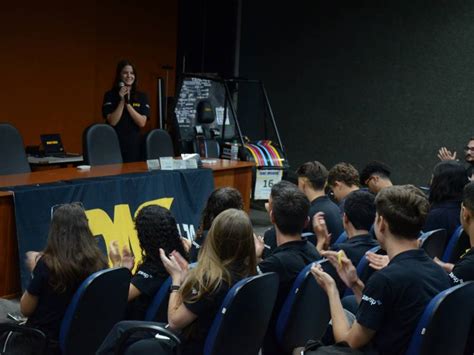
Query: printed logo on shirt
point(455, 279)
point(147, 106)
point(107, 103)
point(136, 104)
point(144, 274)
point(371, 301)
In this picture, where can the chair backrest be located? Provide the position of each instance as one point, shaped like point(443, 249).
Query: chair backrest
point(433, 242)
point(310, 237)
point(97, 305)
point(457, 245)
point(305, 313)
point(159, 144)
point(158, 309)
point(435, 333)
point(12, 151)
point(100, 145)
point(342, 238)
point(240, 325)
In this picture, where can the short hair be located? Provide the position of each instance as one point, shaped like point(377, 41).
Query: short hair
point(374, 168)
point(449, 179)
point(468, 196)
point(289, 207)
point(343, 172)
point(404, 208)
point(359, 208)
point(315, 172)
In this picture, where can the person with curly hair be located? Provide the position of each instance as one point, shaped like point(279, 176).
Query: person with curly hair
point(156, 228)
point(343, 178)
point(220, 200)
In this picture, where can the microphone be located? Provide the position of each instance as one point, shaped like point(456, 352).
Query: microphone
point(121, 84)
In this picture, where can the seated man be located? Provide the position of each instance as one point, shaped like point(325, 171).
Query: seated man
point(445, 154)
point(463, 270)
point(343, 178)
point(288, 209)
point(395, 297)
point(375, 176)
point(359, 214)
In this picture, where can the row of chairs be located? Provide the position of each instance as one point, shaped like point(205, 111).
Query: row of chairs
point(240, 325)
point(100, 147)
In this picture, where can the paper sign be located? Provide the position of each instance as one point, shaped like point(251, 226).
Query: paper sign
point(191, 163)
point(153, 164)
point(265, 179)
point(167, 163)
point(179, 164)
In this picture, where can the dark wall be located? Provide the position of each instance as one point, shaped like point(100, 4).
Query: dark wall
point(357, 81)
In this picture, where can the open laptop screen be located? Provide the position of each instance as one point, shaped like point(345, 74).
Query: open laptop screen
point(52, 143)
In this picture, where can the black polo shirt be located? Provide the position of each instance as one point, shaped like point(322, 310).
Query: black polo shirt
point(395, 297)
point(332, 216)
point(356, 247)
point(148, 281)
point(464, 269)
point(127, 130)
point(287, 260)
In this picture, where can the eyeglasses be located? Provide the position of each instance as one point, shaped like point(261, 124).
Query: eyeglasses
point(55, 207)
point(467, 149)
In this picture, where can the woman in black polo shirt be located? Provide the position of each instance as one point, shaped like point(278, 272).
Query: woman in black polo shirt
point(227, 257)
point(126, 109)
point(57, 275)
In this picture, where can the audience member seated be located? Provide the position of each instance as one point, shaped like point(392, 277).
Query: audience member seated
point(227, 256)
point(449, 179)
point(220, 200)
point(156, 228)
point(312, 179)
point(70, 256)
point(445, 154)
point(463, 270)
point(343, 178)
point(375, 176)
point(359, 214)
point(288, 209)
point(395, 297)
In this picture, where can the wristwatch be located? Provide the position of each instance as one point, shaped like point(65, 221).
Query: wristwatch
point(174, 288)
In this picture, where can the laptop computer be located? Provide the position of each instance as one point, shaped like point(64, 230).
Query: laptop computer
point(53, 146)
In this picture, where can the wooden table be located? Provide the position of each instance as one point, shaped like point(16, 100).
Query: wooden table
point(237, 174)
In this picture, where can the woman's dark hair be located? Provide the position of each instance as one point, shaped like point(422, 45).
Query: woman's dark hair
point(220, 200)
point(71, 253)
point(449, 179)
point(156, 228)
point(120, 65)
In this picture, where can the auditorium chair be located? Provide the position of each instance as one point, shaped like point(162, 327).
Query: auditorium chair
point(157, 311)
point(446, 324)
point(239, 326)
point(96, 306)
point(158, 144)
point(100, 145)
point(12, 151)
point(433, 242)
point(457, 246)
point(341, 238)
point(305, 313)
point(37, 337)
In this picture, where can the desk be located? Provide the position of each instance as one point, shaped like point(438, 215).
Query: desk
point(226, 173)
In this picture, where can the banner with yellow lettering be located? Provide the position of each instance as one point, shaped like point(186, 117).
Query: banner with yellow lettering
point(111, 204)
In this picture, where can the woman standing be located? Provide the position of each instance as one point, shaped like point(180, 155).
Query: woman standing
point(127, 110)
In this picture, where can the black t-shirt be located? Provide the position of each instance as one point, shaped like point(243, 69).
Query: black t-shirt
point(463, 270)
point(332, 216)
point(395, 297)
point(356, 247)
point(127, 130)
point(148, 281)
point(287, 260)
point(206, 310)
point(51, 304)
